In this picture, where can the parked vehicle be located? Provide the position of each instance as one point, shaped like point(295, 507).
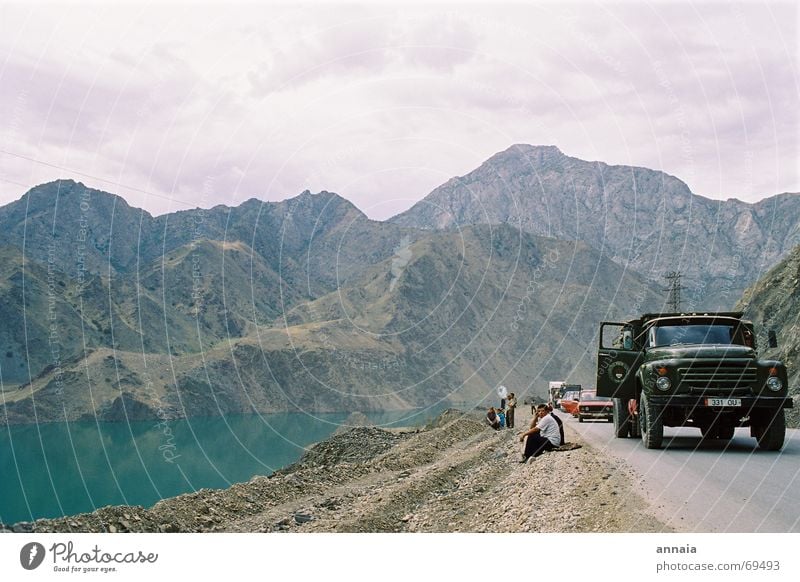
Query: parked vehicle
point(594, 407)
point(569, 402)
point(554, 391)
point(691, 369)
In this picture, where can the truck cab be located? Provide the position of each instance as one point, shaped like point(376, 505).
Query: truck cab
point(691, 369)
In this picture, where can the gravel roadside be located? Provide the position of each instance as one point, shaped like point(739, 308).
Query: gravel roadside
point(455, 475)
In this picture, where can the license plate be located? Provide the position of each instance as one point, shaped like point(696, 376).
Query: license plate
point(723, 401)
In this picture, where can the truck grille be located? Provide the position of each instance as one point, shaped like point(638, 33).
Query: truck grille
point(718, 379)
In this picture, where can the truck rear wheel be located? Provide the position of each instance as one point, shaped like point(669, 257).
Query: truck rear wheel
point(621, 419)
point(771, 430)
point(651, 423)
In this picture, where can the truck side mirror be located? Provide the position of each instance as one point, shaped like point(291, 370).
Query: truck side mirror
point(772, 339)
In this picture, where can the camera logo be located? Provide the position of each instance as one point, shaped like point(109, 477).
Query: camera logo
point(31, 555)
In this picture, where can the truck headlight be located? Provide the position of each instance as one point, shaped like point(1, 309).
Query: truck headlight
point(663, 383)
point(774, 383)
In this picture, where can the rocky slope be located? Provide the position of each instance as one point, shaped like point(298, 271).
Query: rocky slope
point(456, 475)
point(81, 263)
point(644, 219)
point(103, 300)
point(446, 318)
point(315, 240)
point(773, 303)
point(306, 304)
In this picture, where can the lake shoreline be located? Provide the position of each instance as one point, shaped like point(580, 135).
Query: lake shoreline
point(53, 470)
point(455, 474)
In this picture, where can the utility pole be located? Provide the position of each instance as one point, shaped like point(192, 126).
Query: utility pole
point(674, 289)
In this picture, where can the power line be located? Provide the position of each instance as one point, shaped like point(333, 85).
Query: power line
point(98, 178)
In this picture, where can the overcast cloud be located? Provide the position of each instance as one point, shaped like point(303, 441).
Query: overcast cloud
point(382, 104)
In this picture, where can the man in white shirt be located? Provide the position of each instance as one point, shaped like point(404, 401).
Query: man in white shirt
point(544, 436)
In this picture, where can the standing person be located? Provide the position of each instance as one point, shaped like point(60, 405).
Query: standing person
point(502, 416)
point(511, 405)
point(493, 419)
point(542, 437)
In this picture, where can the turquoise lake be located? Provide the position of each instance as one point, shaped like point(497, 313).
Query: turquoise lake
point(57, 469)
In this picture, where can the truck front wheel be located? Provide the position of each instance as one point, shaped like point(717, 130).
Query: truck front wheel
point(651, 423)
point(770, 430)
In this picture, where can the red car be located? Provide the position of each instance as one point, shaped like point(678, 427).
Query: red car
point(592, 406)
point(569, 403)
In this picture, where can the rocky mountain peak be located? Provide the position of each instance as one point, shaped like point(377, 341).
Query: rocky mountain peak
point(522, 158)
point(322, 201)
point(644, 219)
point(534, 152)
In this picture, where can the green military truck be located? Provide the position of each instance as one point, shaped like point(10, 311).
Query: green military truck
point(691, 369)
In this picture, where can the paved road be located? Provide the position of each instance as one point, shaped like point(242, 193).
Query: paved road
point(711, 486)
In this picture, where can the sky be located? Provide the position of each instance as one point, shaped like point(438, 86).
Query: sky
point(181, 106)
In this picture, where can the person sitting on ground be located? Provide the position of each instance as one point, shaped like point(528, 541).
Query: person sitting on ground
point(502, 416)
point(542, 437)
point(559, 422)
point(493, 419)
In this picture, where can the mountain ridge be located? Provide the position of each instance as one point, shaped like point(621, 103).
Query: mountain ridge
point(521, 310)
point(645, 219)
point(773, 303)
point(308, 304)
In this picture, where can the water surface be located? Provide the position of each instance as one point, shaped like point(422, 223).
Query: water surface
point(57, 469)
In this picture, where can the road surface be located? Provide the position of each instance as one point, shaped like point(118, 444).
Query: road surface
point(711, 486)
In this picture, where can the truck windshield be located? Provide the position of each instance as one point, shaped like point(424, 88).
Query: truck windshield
point(671, 335)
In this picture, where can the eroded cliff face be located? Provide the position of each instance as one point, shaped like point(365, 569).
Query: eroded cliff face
point(644, 219)
point(773, 303)
point(307, 304)
point(464, 310)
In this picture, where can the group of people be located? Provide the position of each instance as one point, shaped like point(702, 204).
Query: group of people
point(502, 417)
point(546, 431)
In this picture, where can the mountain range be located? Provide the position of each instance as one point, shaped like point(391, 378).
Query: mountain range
point(643, 219)
point(308, 305)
